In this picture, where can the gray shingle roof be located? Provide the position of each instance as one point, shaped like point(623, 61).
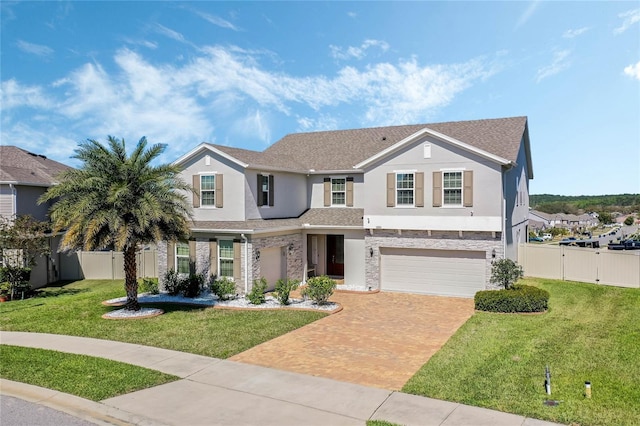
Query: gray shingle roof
point(329, 217)
point(343, 149)
point(24, 167)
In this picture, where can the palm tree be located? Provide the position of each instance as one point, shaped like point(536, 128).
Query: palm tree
point(119, 202)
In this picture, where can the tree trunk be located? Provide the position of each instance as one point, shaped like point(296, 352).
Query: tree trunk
point(130, 279)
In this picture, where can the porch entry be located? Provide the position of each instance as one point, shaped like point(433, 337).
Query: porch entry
point(335, 255)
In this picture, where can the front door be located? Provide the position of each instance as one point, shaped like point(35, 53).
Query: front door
point(335, 255)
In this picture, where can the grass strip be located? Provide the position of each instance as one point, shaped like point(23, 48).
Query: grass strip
point(74, 309)
point(590, 333)
point(81, 375)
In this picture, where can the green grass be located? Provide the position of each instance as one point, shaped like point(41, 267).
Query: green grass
point(590, 333)
point(381, 423)
point(75, 309)
point(81, 375)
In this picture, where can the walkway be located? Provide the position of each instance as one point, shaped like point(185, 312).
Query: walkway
point(379, 339)
point(223, 392)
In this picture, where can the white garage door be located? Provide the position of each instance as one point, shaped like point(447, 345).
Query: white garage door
point(271, 266)
point(441, 272)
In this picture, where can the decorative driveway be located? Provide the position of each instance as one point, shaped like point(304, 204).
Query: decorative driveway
point(378, 339)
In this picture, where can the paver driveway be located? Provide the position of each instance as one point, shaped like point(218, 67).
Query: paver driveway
point(378, 339)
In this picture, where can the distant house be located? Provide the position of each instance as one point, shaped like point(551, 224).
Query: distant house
point(24, 177)
point(540, 221)
point(415, 208)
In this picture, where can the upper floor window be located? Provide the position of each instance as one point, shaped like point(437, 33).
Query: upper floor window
point(338, 191)
point(404, 189)
point(452, 188)
point(265, 195)
point(208, 190)
point(182, 258)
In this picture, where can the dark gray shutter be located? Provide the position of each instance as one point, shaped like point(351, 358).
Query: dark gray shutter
point(271, 190)
point(259, 190)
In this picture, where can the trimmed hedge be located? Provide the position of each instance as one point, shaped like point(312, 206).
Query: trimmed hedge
point(519, 298)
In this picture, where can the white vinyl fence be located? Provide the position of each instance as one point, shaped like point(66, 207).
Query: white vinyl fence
point(107, 265)
point(599, 266)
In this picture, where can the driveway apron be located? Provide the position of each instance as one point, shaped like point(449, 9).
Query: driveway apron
point(378, 339)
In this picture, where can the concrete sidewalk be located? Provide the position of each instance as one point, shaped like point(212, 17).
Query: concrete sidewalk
point(221, 392)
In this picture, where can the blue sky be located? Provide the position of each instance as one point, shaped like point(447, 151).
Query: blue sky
point(245, 74)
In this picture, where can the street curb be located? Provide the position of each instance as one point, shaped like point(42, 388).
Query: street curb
point(91, 411)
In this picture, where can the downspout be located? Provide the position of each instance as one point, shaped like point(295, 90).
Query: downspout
point(14, 202)
point(504, 217)
point(246, 263)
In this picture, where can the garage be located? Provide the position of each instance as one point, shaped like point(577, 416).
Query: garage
point(440, 272)
point(272, 265)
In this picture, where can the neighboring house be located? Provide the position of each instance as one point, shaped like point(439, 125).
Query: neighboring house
point(541, 220)
point(24, 177)
point(415, 208)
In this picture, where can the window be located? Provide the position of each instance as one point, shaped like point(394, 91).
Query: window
point(338, 192)
point(452, 188)
point(404, 189)
point(225, 256)
point(207, 190)
point(264, 190)
point(182, 258)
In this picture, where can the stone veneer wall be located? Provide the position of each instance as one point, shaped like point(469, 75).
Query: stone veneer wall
point(294, 257)
point(474, 241)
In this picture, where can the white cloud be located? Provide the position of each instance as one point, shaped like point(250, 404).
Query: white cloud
point(145, 43)
point(14, 95)
point(352, 14)
point(216, 20)
point(630, 18)
point(528, 13)
point(575, 33)
point(633, 70)
point(168, 32)
point(357, 52)
point(560, 63)
point(253, 125)
point(34, 49)
point(314, 124)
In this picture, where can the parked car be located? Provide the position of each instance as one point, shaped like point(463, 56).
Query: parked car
point(625, 245)
point(535, 239)
point(547, 237)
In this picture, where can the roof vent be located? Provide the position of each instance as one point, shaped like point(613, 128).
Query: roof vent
point(384, 138)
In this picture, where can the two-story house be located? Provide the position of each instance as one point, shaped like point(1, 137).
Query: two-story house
point(415, 208)
point(24, 177)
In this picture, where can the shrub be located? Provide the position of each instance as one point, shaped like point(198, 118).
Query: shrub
point(256, 295)
point(629, 220)
point(505, 272)
point(171, 282)
point(149, 285)
point(191, 286)
point(223, 287)
point(284, 288)
point(319, 289)
point(520, 298)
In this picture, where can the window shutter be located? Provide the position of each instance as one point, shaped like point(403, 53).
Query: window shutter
point(467, 195)
point(192, 257)
point(327, 192)
point(171, 255)
point(391, 189)
point(213, 258)
point(219, 194)
point(437, 189)
point(349, 192)
point(237, 260)
point(196, 190)
point(419, 189)
point(259, 190)
point(271, 191)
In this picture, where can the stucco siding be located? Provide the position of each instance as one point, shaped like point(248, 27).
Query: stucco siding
point(487, 191)
point(290, 195)
point(354, 259)
point(517, 205)
point(233, 187)
point(316, 189)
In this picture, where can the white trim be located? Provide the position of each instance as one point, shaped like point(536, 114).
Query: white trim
point(413, 198)
point(455, 206)
point(208, 206)
point(225, 238)
point(205, 146)
point(175, 256)
point(428, 132)
point(331, 179)
point(434, 223)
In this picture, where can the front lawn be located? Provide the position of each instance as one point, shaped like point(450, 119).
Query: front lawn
point(590, 333)
point(75, 309)
point(84, 376)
